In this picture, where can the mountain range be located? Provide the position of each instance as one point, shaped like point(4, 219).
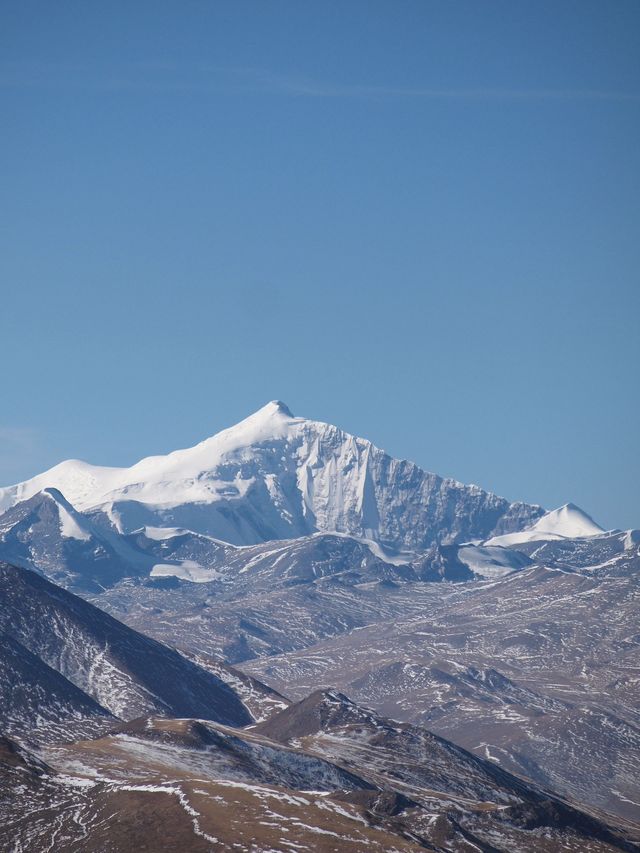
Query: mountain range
point(476, 638)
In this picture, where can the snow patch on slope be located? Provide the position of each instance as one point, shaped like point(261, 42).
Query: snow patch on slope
point(157, 480)
point(70, 528)
point(187, 570)
point(491, 562)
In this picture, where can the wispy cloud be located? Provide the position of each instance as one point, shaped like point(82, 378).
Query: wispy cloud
point(14, 436)
point(306, 87)
point(222, 80)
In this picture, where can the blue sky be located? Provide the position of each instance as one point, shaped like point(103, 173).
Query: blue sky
point(417, 220)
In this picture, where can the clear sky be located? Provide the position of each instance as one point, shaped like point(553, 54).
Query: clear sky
point(416, 220)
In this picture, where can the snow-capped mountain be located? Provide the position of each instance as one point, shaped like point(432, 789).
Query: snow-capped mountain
point(276, 476)
point(263, 496)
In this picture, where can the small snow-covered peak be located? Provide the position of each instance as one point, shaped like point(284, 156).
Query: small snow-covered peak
point(566, 522)
point(569, 521)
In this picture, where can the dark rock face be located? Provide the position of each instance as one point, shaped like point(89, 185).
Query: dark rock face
point(97, 557)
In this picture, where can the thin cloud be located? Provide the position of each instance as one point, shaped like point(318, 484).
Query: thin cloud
point(172, 78)
point(306, 87)
point(13, 436)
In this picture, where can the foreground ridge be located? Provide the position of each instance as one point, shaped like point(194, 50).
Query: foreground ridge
point(324, 774)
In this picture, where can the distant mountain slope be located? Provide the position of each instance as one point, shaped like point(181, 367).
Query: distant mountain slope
point(324, 774)
point(38, 702)
point(126, 673)
point(537, 671)
point(276, 476)
point(328, 722)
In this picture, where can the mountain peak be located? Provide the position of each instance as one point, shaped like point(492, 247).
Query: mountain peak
point(569, 520)
point(322, 710)
point(274, 411)
point(278, 407)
